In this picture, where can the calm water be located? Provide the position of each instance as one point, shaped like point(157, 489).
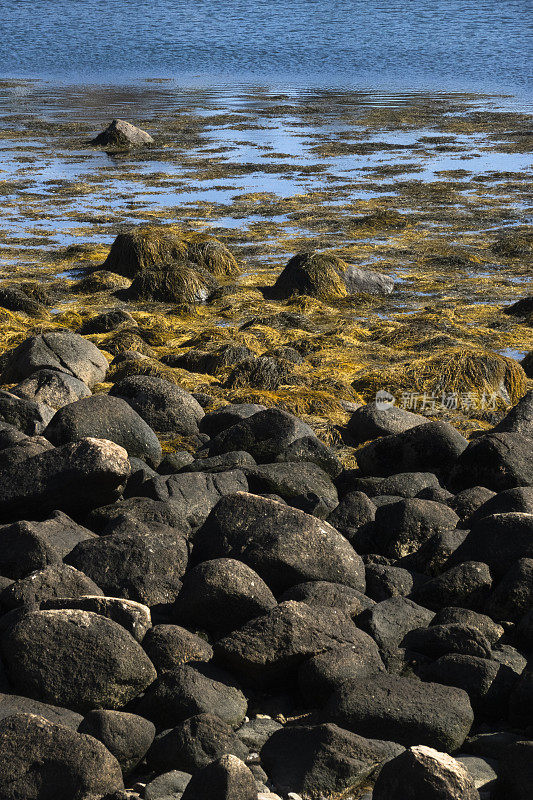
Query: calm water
point(475, 45)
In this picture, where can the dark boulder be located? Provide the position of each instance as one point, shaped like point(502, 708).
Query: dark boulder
point(513, 595)
point(106, 519)
point(54, 389)
point(264, 435)
point(353, 517)
point(384, 581)
point(60, 350)
point(519, 499)
point(228, 778)
point(499, 541)
point(401, 528)
point(108, 321)
point(223, 463)
point(109, 418)
point(44, 650)
point(119, 134)
point(283, 545)
point(27, 415)
point(11, 704)
point(388, 622)
point(468, 584)
point(170, 646)
point(439, 640)
point(370, 422)
point(467, 502)
point(15, 299)
point(217, 421)
point(166, 407)
point(126, 736)
point(498, 461)
point(301, 485)
point(516, 771)
point(464, 616)
point(323, 673)
point(134, 617)
point(312, 450)
point(58, 580)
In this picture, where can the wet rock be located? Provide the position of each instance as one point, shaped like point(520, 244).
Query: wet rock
point(322, 674)
point(110, 666)
point(39, 759)
point(270, 648)
point(120, 133)
point(54, 389)
point(126, 736)
point(228, 778)
point(283, 545)
point(401, 528)
point(370, 422)
point(468, 584)
point(433, 447)
point(75, 477)
point(221, 595)
point(175, 282)
point(59, 580)
point(108, 321)
point(60, 350)
point(134, 617)
point(264, 435)
point(190, 690)
point(302, 485)
point(323, 760)
point(422, 772)
point(109, 418)
point(170, 646)
point(217, 421)
point(166, 407)
point(195, 743)
point(142, 566)
point(28, 416)
point(404, 710)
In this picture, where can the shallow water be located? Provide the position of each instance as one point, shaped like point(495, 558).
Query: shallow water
point(444, 44)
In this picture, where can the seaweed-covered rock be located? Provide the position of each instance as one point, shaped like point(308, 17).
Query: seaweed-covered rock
point(75, 657)
point(212, 255)
point(260, 373)
point(100, 280)
point(108, 321)
point(178, 282)
point(325, 275)
point(120, 133)
point(39, 759)
point(109, 418)
point(283, 545)
point(422, 772)
point(217, 421)
point(15, 299)
point(60, 350)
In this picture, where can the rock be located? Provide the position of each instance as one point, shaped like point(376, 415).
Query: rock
point(491, 744)
point(54, 389)
point(63, 351)
point(22, 550)
point(221, 595)
point(408, 484)
point(384, 581)
point(58, 533)
point(521, 701)
point(264, 435)
point(405, 710)
point(324, 275)
point(72, 478)
point(524, 632)
point(40, 759)
point(166, 407)
point(351, 602)
point(256, 732)
point(58, 580)
point(134, 617)
point(211, 254)
point(322, 674)
point(311, 450)
point(302, 485)
point(370, 422)
point(16, 299)
point(168, 786)
point(487, 682)
point(28, 416)
point(11, 457)
point(109, 418)
point(175, 462)
point(228, 778)
point(126, 736)
point(431, 558)
point(513, 595)
point(401, 528)
point(463, 616)
point(107, 519)
point(323, 760)
point(499, 541)
point(223, 463)
point(353, 517)
point(190, 690)
point(11, 704)
point(467, 502)
point(195, 494)
point(270, 648)
point(145, 566)
point(388, 622)
point(422, 772)
point(482, 771)
point(468, 584)
point(498, 461)
point(170, 646)
point(108, 321)
point(519, 499)
point(516, 771)
point(195, 743)
point(439, 640)
point(100, 280)
point(175, 282)
point(433, 447)
point(217, 421)
point(120, 133)
point(287, 546)
point(110, 666)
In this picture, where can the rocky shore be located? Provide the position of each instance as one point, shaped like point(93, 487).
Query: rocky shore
point(249, 618)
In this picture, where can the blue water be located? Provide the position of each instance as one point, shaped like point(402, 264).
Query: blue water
point(449, 45)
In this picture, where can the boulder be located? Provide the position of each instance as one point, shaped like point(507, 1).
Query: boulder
point(134, 617)
point(108, 321)
point(109, 418)
point(63, 351)
point(497, 461)
point(120, 133)
point(27, 415)
point(322, 674)
point(302, 485)
point(107, 519)
point(498, 541)
point(401, 528)
point(11, 704)
point(351, 602)
point(228, 778)
point(126, 736)
point(323, 760)
point(73, 478)
point(264, 435)
point(168, 786)
point(15, 299)
point(353, 517)
point(513, 595)
point(58, 580)
point(41, 760)
point(178, 282)
point(371, 421)
point(422, 772)
point(519, 499)
point(217, 421)
point(170, 646)
point(439, 640)
point(388, 622)
point(468, 584)
point(283, 545)
point(313, 451)
point(404, 710)
point(166, 407)
point(516, 771)
point(54, 389)
point(44, 650)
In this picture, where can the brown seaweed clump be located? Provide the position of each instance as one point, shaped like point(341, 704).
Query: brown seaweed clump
point(146, 247)
point(102, 280)
point(176, 282)
point(383, 219)
point(513, 245)
point(260, 373)
point(314, 274)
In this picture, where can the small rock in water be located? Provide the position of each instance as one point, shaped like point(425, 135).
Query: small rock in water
point(120, 133)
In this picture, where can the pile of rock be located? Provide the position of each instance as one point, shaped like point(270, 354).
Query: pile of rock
point(252, 621)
